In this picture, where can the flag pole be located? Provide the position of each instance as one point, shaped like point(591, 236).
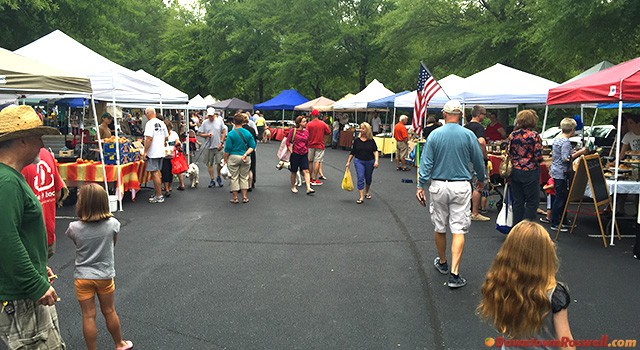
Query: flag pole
point(436, 80)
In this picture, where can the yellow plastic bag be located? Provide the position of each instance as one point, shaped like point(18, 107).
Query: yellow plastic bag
point(347, 181)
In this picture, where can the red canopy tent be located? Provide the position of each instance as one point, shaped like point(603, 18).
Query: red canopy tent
point(620, 83)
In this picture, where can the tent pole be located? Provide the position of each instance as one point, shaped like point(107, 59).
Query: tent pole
point(81, 129)
point(186, 130)
point(594, 117)
point(118, 168)
point(188, 119)
point(95, 119)
point(392, 131)
point(582, 120)
point(544, 120)
point(68, 125)
point(615, 181)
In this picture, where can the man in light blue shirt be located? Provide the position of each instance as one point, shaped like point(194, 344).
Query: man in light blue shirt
point(445, 161)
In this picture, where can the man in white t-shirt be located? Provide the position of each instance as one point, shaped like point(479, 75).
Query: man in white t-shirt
point(375, 124)
point(155, 135)
point(631, 140)
point(215, 133)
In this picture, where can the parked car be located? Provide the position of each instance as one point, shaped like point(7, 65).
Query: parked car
point(600, 136)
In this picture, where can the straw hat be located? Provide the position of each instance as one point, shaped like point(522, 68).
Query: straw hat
point(22, 121)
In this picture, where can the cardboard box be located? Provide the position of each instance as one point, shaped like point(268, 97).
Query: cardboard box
point(68, 153)
point(111, 147)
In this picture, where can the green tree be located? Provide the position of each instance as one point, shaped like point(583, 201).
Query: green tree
point(184, 54)
point(573, 35)
point(359, 27)
point(23, 21)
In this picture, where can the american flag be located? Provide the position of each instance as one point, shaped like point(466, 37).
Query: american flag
point(427, 87)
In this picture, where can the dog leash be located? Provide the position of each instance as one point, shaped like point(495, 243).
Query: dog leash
point(198, 157)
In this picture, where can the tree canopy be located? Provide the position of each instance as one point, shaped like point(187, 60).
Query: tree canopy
point(253, 49)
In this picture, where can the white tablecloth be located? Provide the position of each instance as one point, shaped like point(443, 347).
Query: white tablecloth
point(624, 186)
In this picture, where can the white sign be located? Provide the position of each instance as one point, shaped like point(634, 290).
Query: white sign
point(612, 90)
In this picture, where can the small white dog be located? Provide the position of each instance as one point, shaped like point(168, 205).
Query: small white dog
point(266, 136)
point(282, 164)
point(193, 173)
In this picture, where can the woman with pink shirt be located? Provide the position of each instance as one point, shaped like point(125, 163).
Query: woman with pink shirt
point(298, 144)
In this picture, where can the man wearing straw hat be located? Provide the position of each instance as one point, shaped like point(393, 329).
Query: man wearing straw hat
point(28, 318)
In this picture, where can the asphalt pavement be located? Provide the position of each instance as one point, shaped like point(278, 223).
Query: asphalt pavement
point(291, 271)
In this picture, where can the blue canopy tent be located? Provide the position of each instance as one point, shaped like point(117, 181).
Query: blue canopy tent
point(73, 102)
point(285, 101)
point(388, 103)
point(77, 102)
point(616, 105)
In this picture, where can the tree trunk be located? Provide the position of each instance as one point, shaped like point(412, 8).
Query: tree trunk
point(364, 65)
point(260, 90)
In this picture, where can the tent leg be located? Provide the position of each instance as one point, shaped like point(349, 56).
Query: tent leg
point(544, 121)
point(615, 181)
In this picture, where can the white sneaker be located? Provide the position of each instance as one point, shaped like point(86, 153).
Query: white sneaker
point(479, 217)
point(155, 199)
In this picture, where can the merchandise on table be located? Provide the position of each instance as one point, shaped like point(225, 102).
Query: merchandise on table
point(127, 151)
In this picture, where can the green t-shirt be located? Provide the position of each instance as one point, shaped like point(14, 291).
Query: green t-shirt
point(23, 239)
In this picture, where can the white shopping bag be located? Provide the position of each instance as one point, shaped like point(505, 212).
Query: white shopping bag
point(504, 222)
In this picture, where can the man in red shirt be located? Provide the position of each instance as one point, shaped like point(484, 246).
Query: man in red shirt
point(402, 143)
point(317, 129)
point(46, 183)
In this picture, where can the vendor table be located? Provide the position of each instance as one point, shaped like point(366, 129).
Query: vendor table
point(497, 160)
point(386, 145)
point(346, 138)
point(624, 187)
point(278, 133)
point(131, 175)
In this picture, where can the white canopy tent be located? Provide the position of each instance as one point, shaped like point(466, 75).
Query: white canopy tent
point(451, 84)
point(210, 100)
point(109, 81)
point(503, 85)
point(197, 103)
point(374, 91)
point(168, 93)
point(35, 77)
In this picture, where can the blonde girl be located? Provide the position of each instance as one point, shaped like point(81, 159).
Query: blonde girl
point(520, 295)
point(94, 236)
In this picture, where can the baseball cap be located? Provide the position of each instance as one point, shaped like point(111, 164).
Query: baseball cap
point(315, 112)
point(211, 111)
point(452, 107)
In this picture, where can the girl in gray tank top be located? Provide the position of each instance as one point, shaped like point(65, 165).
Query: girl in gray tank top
point(521, 297)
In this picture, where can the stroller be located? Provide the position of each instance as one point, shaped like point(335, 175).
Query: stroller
point(494, 191)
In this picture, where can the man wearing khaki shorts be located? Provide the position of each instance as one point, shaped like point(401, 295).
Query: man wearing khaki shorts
point(28, 318)
point(215, 133)
point(317, 129)
point(445, 161)
point(402, 143)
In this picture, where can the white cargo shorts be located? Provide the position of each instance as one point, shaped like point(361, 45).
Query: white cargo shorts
point(450, 205)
